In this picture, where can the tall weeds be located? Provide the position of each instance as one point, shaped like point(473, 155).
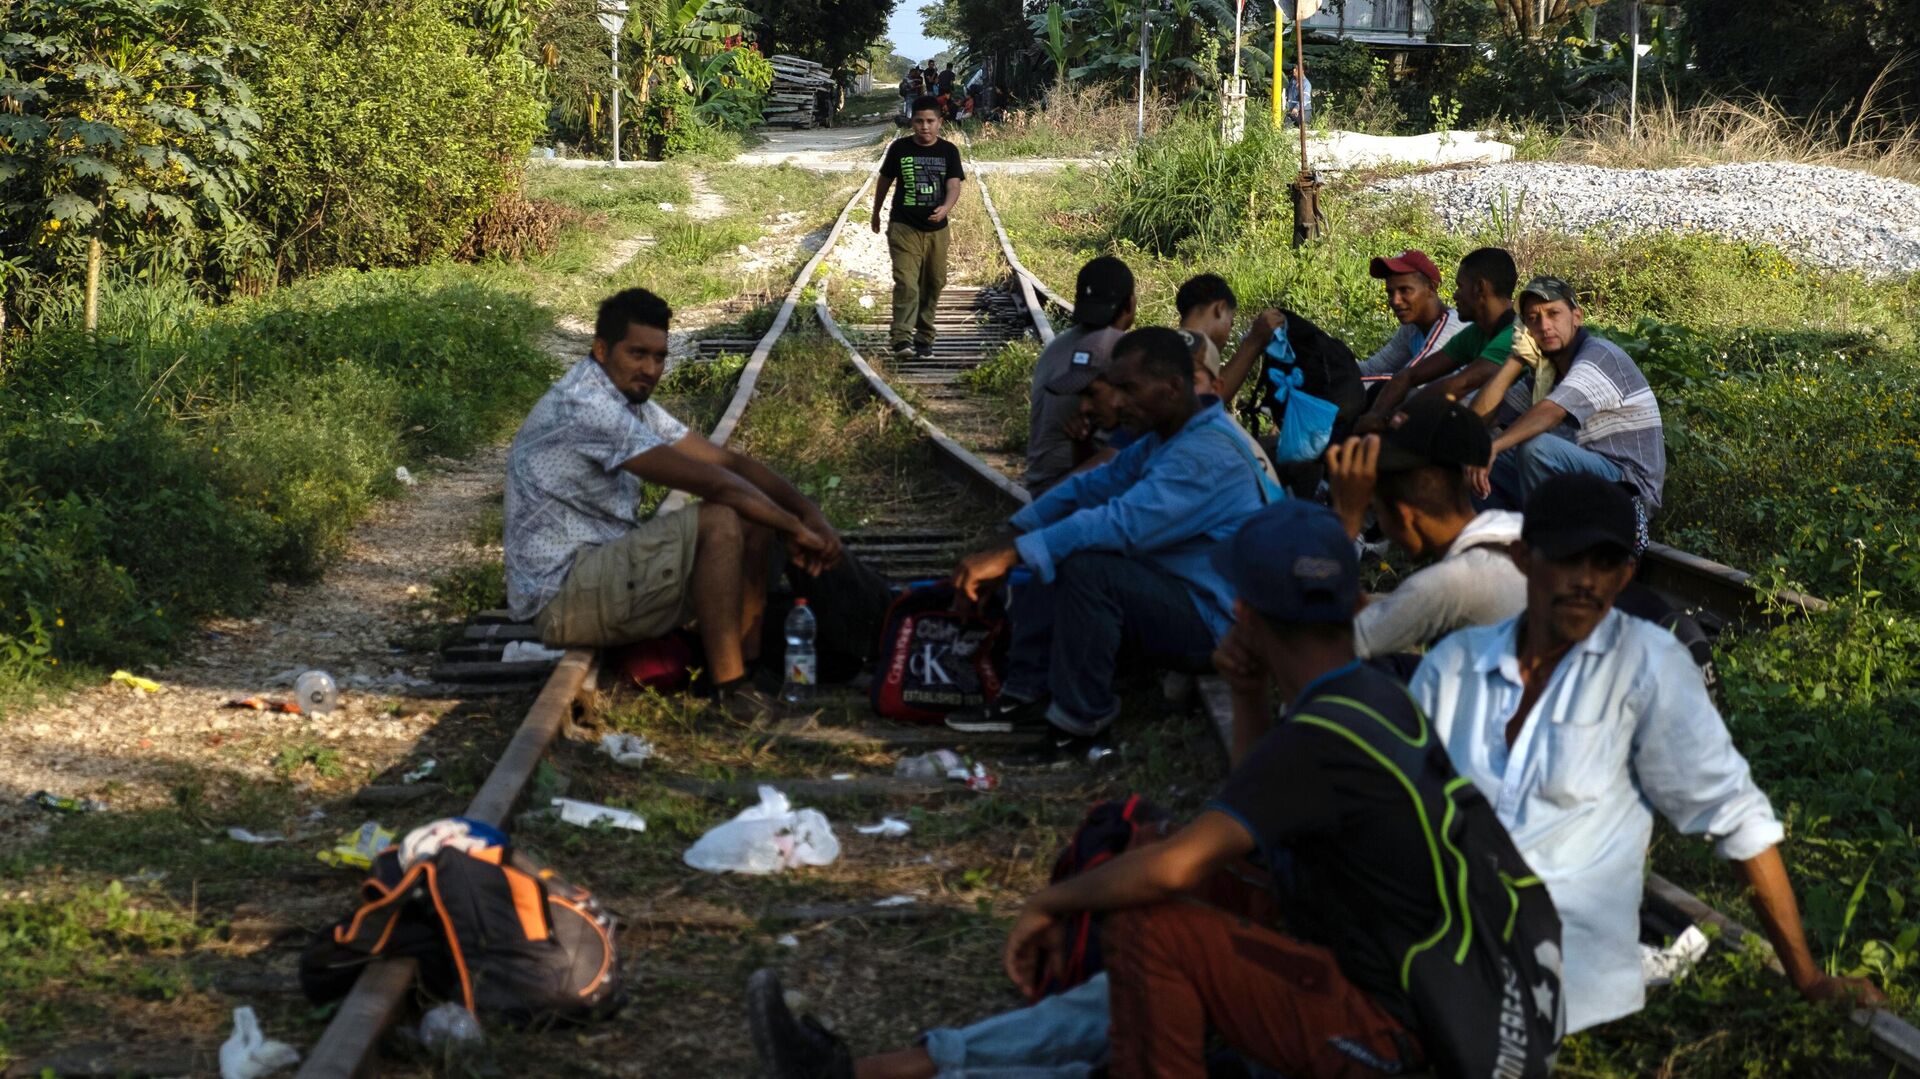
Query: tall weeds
point(1072, 121)
point(1186, 186)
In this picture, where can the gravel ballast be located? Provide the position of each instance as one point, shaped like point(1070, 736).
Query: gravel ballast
point(1831, 217)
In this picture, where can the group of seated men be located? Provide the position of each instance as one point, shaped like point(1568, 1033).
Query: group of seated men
point(1443, 874)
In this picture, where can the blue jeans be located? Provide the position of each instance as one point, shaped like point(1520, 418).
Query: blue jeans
point(1062, 1037)
point(1526, 466)
point(1111, 603)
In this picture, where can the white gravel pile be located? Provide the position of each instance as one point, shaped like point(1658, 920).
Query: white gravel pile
point(1831, 217)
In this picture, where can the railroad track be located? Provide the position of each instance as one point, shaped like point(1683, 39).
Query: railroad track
point(974, 324)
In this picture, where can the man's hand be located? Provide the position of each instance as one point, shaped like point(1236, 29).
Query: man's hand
point(1077, 427)
point(876, 224)
point(1480, 481)
point(1353, 467)
point(937, 214)
point(1265, 325)
point(977, 572)
point(821, 550)
point(1372, 423)
point(1847, 992)
point(1036, 951)
point(1237, 665)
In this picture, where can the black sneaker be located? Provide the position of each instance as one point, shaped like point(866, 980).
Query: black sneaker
point(924, 351)
point(903, 350)
point(790, 1046)
point(1006, 715)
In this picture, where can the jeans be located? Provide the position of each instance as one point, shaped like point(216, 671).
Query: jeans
point(1519, 470)
point(919, 275)
point(1062, 1037)
point(1109, 603)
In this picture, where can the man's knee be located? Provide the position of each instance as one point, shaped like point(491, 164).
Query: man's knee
point(719, 526)
point(1086, 571)
point(1135, 937)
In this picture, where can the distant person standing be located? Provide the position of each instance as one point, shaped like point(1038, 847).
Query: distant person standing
point(1299, 99)
point(926, 169)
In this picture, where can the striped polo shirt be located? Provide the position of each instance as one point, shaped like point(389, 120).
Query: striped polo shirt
point(1610, 403)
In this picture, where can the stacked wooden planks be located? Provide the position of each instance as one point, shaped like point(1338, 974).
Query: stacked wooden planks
point(802, 95)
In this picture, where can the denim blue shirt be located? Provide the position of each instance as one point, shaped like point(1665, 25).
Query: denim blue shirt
point(1624, 727)
point(1165, 501)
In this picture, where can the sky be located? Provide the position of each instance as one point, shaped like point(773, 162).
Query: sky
point(903, 28)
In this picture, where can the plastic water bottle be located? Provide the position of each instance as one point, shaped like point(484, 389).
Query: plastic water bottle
point(803, 667)
point(316, 692)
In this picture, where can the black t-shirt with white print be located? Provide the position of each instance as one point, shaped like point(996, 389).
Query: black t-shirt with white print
point(920, 175)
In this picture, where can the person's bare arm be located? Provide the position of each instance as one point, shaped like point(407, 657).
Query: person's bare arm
point(1487, 402)
point(1353, 467)
point(939, 213)
point(770, 483)
point(1259, 332)
point(1252, 692)
point(880, 187)
point(1461, 379)
point(668, 467)
point(1141, 876)
point(1779, 915)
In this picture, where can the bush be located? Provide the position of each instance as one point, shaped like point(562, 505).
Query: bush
point(1184, 185)
point(389, 128)
point(169, 469)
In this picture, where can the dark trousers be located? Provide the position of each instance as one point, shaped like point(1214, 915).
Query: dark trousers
point(1068, 636)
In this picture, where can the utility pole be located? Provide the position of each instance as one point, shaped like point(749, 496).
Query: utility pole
point(1633, 84)
point(1279, 64)
point(1140, 123)
point(613, 17)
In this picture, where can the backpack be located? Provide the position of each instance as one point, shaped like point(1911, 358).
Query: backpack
point(1694, 627)
point(1305, 359)
point(1109, 830)
point(1500, 934)
point(935, 660)
point(492, 928)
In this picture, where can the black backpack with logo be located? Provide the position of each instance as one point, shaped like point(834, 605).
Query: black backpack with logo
point(1109, 830)
point(492, 928)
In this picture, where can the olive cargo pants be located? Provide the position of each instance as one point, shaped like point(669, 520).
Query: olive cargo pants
point(919, 274)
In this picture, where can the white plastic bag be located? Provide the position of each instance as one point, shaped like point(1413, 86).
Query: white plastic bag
point(766, 838)
point(248, 1054)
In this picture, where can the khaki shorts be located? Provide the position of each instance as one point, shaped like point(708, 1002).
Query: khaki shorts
point(631, 589)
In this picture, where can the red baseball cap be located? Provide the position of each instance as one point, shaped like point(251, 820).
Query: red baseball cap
point(1408, 261)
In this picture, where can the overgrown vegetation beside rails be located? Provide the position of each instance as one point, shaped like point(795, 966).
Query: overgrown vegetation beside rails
point(169, 469)
point(1069, 121)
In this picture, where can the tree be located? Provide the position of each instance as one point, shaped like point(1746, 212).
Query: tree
point(122, 133)
point(828, 32)
point(1814, 55)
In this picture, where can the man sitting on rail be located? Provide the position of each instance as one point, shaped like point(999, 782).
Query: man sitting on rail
point(1414, 475)
point(1578, 721)
point(577, 563)
point(1103, 310)
point(1426, 322)
point(1448, 962)
point(1483, 296)
point(1121, 552)
point(1589, 410)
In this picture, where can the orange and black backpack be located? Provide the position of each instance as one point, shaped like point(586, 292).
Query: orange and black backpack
point(492, 928)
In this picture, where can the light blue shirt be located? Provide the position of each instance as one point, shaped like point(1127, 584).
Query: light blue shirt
point(1624, 727)
point(1166, 502)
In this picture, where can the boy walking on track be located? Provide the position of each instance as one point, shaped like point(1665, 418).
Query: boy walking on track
point(925, 173)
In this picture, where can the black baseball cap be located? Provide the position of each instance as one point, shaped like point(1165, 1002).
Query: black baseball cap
point(1434, 429)
point(1293, 562)
point(1089, 361)
point(1102, 289)
point(1576, 512)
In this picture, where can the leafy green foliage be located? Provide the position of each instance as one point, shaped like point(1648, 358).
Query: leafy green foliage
point(168, 468)
point(388, 129)
point(121, 121)
point(1185, 185)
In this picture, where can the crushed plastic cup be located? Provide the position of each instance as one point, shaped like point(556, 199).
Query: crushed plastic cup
point(450, 1023)
point(932, 765)
point(587, 814)
point(316, 692)
point(358, 848)
point(627, 749)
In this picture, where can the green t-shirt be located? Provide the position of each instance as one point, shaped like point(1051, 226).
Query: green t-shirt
point(1475, 343)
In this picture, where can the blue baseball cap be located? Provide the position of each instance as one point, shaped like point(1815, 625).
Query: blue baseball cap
point(1293, 562)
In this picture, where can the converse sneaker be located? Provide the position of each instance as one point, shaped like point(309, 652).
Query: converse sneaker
point(1006, 715)
point(790, 1046)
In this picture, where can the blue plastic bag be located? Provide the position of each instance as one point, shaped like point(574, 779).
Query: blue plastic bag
point(1306, 421)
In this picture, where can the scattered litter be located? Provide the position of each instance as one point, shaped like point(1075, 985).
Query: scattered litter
point(449, 1023)
point(891, 827)
point(928, 765)
point(426, 769)
point(667, 207)
point(459, 833)
point(317, 692)
point(263, 704)
point(976, 779)
point(587, 814)
point(866, 301)
point(406, 478)
point(766, 838)
point(787, 940)
point(146, 876)
point(356, 849)
point(315, 815)
point(1664, 966)
point(1098, 754)
point(897, 901)
point(61, 803)
point(139, 684)
point(841, 777)
point(529, 652)
point(248, 1054)
point(628, 749)
point(256, 838)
